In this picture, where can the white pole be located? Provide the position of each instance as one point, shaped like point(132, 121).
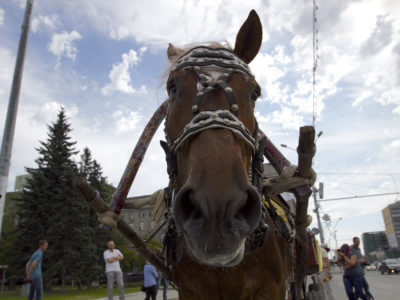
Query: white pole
point(9, 128)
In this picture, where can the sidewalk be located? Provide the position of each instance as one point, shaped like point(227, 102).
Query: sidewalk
point(171, 294)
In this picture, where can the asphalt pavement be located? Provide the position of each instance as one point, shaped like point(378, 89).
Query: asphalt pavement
point(382, 287)
point(172, 294)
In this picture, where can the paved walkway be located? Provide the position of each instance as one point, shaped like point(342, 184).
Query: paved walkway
point(172, 295)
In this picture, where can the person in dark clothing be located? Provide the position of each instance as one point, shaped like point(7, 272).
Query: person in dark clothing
point(361, 260)
point(164, 282)
point(352, 277)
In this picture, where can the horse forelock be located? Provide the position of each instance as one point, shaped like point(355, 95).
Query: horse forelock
point(181, 51)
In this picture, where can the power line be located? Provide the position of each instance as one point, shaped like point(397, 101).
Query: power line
point(357, 173)
point(362, 196)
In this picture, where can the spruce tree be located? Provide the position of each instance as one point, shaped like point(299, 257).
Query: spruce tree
point(91, 171)
point(49, 209)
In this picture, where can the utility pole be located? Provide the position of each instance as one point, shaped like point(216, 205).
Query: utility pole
point(316, 210)
point(9, 128)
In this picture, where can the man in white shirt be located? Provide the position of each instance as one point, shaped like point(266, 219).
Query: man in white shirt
point(113, 271)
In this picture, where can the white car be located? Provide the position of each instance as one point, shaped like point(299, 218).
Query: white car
point(370, 268)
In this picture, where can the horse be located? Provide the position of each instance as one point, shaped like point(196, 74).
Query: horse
point(223, 240)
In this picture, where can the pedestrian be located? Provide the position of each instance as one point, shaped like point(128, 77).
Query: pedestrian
point(164, 282)
point(33, 271)
point(352, 277)
point(112, 257)
point(325, 275)
point(150, 281)
point(362, 261)
point(161, 278)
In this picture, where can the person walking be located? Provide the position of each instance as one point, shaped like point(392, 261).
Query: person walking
point(362, 261)
point(33, 271)
point(352, 275)
point(161, 278)
point(164, 282)
point(150, 281)
point(112, 257)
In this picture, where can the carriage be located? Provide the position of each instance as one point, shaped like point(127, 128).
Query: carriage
point(232, 233)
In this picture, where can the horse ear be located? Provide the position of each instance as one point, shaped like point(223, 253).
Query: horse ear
point(249, 38)
point(173, 52)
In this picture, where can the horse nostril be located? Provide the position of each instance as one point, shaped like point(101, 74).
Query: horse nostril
point(186, 207)
point(250, 212)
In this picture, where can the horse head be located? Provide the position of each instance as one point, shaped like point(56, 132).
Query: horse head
point(212, 133)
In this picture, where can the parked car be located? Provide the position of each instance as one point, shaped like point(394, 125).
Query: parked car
point(390, 266)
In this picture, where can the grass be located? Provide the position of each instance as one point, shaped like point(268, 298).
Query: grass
point(70, 293)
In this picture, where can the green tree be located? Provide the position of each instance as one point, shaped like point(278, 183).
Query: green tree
point(50, 209)
point(94, 265)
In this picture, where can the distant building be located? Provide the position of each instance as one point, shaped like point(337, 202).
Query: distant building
point(375, 244)
point(391, 217)
point(141, 221)
point(20, 182)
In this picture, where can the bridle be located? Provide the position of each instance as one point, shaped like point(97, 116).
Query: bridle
point(197, 59)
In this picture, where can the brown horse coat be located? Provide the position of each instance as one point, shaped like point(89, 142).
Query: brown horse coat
point(216, 208)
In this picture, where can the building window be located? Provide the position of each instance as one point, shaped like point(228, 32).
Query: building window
point(141, 214)
point(150, 213)
point(141, 226)
point(152, 225)
point(131, 216)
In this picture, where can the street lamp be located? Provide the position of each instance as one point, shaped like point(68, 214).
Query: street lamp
point(286, 146)
point(334, 231)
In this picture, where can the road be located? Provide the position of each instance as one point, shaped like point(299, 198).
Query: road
point(382, 287)
point(172, 295)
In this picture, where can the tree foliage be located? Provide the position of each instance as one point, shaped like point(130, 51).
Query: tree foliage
point(48, 208)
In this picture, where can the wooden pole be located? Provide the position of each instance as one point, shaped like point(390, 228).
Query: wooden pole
point(94, 200)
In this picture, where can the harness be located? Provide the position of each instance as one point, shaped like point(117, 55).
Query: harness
point(223, 60)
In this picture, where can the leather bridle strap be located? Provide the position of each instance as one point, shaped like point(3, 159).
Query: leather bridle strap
point(214, 119)
point(200, 57)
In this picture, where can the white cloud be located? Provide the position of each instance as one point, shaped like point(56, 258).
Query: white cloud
point(63, 45)
point(47, 112)
point(268, 70)
point(379, 38)
point(1, 16)
point(120, 79)
point(287, 118)
point(128, 123)
point(364, 95)
point(50, 22)
point(395, 144)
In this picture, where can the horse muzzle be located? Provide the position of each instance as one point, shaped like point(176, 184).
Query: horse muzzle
point(215, 225)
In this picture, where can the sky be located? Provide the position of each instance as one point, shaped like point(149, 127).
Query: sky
point(104, 62)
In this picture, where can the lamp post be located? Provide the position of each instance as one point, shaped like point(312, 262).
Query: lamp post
point(9, 127)
point(334, 231)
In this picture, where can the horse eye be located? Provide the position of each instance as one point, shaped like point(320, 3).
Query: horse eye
point(172, 92)
point(255, 95)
